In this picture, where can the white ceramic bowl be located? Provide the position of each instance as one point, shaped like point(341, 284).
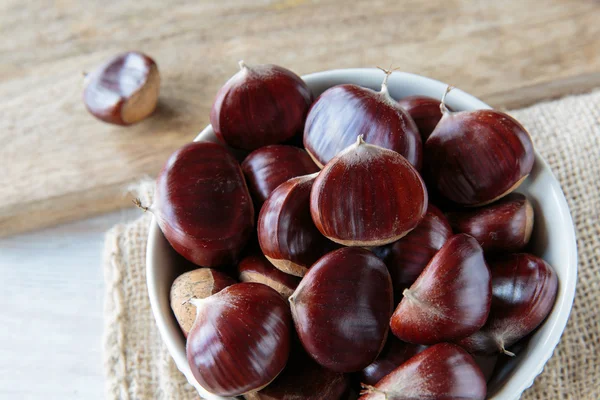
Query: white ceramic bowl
point(553, 239)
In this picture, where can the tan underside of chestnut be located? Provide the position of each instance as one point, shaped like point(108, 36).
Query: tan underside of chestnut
point(248, 276)
point(143, 102)
point(368, 243)
point(314, 159)
point(288, 267)
point(529, 218)
point(510, 190)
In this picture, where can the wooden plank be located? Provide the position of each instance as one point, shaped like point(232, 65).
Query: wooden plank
point(61, 164)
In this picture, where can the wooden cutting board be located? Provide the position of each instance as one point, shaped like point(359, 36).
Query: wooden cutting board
point(61, 164)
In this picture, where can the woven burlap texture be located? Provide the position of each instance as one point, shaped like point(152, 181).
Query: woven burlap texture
point(566, 132)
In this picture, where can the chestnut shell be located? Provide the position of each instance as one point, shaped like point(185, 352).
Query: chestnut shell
point(425, 111)
point(256, 268)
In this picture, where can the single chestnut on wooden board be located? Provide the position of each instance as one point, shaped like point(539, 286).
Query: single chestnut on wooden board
point(425, 111)
point(505, 225)
point(256, 268)
point(124, 90)
point(367, 196)
point(202, 204)
point(450, 299)
point(287, 234)
point(270, 166)
point(260, 105)
point(476, 157)
point(342, 307)
point(343, 112)
point(240, 340)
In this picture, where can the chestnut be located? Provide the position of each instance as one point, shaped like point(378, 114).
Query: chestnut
point(477, 157)
point(199, 283)
point(451, 298)
point(202, 204)
point(343, 112)
point(286, 232)
point(505, 225)
point(425, 111)
point(342, 307)
point(367, 196)
point(256, 268)
point(524, 289)
point(240, 341)
point(443, 371)
point(260, 105)
point(270, 166)
point(124, 90)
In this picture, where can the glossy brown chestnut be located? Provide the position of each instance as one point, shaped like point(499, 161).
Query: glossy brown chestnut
point(202, 204)
point(240, 341)
point(342, 307)
point(286, 232)
point(257, 268)
point(260, 105)
point(303, 379)
point(394, 354)
point(343, 112)
point(407, 257)
point(425, 111)
point(450, 299)
point(505, 225)
point(199, 283)
point(270, 166)
point(444, 371)
point(124, 90)
point(367, 196)
point(524, 289)
point(477, 157)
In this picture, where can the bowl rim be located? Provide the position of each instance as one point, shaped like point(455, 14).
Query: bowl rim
point(511, 390)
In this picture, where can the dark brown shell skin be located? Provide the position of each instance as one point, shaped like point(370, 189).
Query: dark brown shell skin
point(343, 112)
point(260, 105)
point(342, 307)
point(245, 330)
point(524, 291)
point(476, 157)
point(425, 111)
point(444, 372)
point(203, 206)
point(451, 298)
point(503, 226)
point(270, 166)
point(256, 268)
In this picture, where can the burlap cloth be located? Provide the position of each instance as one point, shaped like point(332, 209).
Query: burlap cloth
point(566, 132)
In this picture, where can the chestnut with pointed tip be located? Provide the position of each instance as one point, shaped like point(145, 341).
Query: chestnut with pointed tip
point(342, 307)
point(425, 111)
point(270, 166)
point(202, 204)
point(451, 298)
point(124, 90)
point(240, 341)
point(477, 157)
point(260, 105)
point(505, 225)
point(286, 232)
point(367, 196)
point(199, 283)
point(256, 268)
point(343, 112)
point(524, 290)
point(443, 371)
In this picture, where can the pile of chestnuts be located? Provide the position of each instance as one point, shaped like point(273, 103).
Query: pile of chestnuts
point(325, 269)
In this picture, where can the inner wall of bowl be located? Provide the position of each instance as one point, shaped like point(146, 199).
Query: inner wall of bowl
point(553, 239)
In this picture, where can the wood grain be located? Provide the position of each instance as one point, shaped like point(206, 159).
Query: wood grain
point(61, 164)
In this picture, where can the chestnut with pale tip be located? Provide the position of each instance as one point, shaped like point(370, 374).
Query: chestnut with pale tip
point(124, 90)
point(477, 157)
point(524, 290)
point(342, 307)
point(367, 196)
point(425, 111)
point(199, 283)
point(245, 330)
point(343, 112)
point(287, 234)
point(256, 268)
point(451, 298)
point(443, 371)
point(503, 226)
point(202, 204)
point(260, 105)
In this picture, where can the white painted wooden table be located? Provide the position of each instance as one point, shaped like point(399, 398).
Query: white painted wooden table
point(51, 305)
